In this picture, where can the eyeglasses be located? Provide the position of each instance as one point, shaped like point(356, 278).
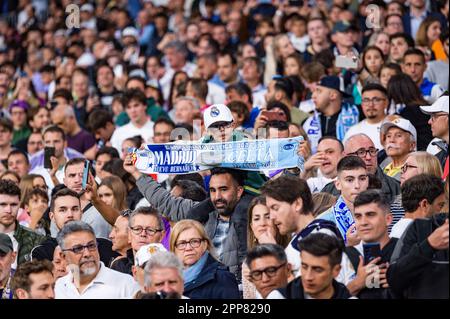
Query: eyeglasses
point(148, 231)
point(269, 271)
point(375, 100)
point(435, 116)
point(194, 243)
point(406, 166)
point(362, 152)
point(78, 249)
point(220, 125)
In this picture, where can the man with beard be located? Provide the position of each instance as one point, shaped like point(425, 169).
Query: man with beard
point(64, 208)
point(226, 221)
point(79, 245)
point(374, 103)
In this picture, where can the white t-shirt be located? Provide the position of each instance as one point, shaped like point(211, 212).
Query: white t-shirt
point(108, 284)
point(400, 227)
point(371, 130)
point(129, 130)
point(316, 184)
point(216, 94)
point(433, 149)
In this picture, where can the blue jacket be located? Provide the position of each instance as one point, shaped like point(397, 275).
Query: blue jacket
point(213, 282)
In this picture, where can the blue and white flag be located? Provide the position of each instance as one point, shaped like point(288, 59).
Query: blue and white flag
point(249, 155)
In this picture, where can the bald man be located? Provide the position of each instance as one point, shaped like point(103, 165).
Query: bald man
point(361, 145)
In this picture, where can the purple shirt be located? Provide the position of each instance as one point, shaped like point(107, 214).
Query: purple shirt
point(81, 142)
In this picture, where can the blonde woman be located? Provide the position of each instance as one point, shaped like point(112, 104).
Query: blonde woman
point(415, 164)
point(204, 276)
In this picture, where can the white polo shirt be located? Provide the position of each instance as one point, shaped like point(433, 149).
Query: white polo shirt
point(129, 130)
point(108, 284)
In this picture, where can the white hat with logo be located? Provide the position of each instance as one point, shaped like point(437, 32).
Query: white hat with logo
point(146, 252)
point(402, 124)
point(217, 113)
point(441, 105)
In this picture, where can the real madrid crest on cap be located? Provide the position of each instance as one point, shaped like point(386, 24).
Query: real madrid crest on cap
point(214, 112)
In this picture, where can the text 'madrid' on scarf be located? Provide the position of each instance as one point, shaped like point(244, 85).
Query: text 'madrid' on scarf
point(248, 155)
point(343, 216)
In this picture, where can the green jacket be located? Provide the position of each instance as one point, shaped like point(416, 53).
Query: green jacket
point(153, 110)
point(27, 240)
point(254, 180)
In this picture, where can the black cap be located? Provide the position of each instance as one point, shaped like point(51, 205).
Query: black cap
point(6, 244)
point(333, 82)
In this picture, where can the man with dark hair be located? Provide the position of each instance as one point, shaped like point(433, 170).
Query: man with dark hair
point(422, 197)
point(416, 14)
point(330, 111)
point(252, 71)
point(374, 104)
point(393, 24)
point(206, 68)
point(34, 280)
point(53, 137)
point(277, 129)
point(6, 135)
point(101, 124)
point(140, 123)
point(65, 207)
point(227, 69)
point(317, 32)
point(18, 162)
point(162, 130)
point(23, 239)
point(226, 213)
point(269, 269)
point(197, 88)
point(241, 92)
point(351, 180)
point(7, 259)
point(414, 65)
point(103, 156)
point(290, 204)
point(321, 256)
point(400, 43)
point(189, 190)
point(372, 218)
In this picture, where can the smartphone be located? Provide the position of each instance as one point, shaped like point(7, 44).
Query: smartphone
point(345, 62)
point(48, 153)
point(274, 116)
point(87, 167)
point(371, 251)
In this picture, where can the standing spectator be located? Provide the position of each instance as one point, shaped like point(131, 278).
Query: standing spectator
point(351, 180)
point(414, 65)
point(140, 123)
point(251, 75)
point(416, 14)
point(317, 32)
point(23, 238)
point(400, 43)
point(374, 104)
point(78, 243)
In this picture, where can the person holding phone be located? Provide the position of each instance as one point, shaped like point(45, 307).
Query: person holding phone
point(371, 256)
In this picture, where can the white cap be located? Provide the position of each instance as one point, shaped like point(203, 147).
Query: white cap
point(146, 252)
point(441, 105)
point(217, 113)
point(87, 7)
point(130, 32)
point(402, 124)
point(86, 59)
point(137, 72)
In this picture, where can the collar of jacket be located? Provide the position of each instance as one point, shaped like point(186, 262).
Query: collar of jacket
point(294, 290)
point(441, 144)
point(19, 233)
point(208, 273)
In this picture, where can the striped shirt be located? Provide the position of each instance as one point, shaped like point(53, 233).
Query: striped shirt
point(220, 235)
point(397, 210)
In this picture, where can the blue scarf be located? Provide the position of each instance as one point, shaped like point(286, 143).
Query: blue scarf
point(343, 216)
point(191, 273)
point(348, 117)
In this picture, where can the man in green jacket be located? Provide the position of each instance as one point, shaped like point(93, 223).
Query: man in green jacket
point(24, 239)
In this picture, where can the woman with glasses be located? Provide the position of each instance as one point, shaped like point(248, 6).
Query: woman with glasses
point(416, 163)
point(204, 276)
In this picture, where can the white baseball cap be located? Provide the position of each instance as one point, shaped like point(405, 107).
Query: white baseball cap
point(87, 7)
point(130, 32)
point(217, 113)
point(441, 105)
point(146, 252)
point(402, 124)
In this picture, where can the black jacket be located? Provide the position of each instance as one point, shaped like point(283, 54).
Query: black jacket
point(418, 271)
point(123, 264)
point(47, 248)
point(294, 290)
point(389, 186)
point(443, 153)
point(386, 254)
point(213, 282)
